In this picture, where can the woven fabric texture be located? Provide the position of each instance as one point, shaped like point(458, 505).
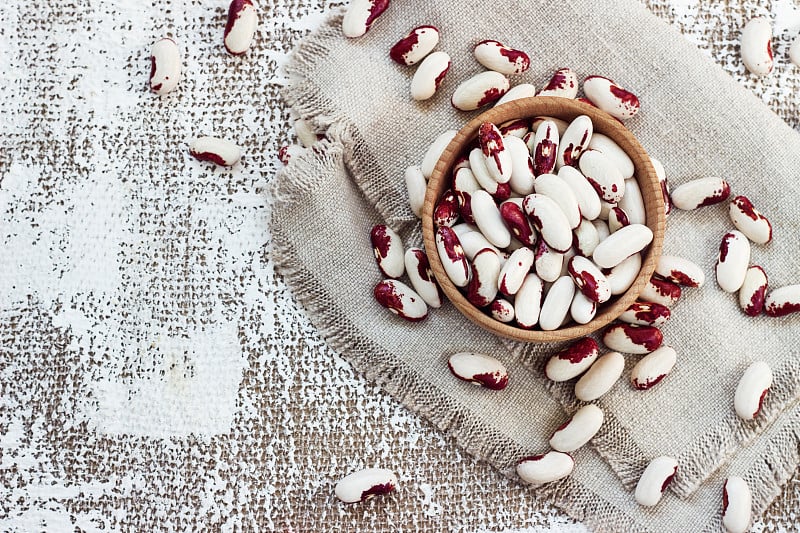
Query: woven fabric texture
point(156, 374)
point(351, 87)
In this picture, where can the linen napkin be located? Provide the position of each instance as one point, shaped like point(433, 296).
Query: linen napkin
point(694, 118)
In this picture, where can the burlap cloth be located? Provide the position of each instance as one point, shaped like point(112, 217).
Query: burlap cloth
point(155, 373)
point(696, 119)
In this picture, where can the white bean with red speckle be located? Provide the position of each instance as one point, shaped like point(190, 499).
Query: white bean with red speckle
point(514, 271)
point(528, 302)
point(361, 15)
point(544, 150)
point(600, 377)
point(452, 256)
point(479, 369)
point(622, 244)
point(413, 48)
point(756, 46)
point(429, 76)
point(749, 220)
point(579, 430)
point(241, 27)
point(605, 144)
point(502, 310)
point(435, 151)
point(661, 291)
point(364, 484)
point(482, 287)
point(574, 141)
point(549, 220)
point(732, 261)
point(540, 469)
point(680, 270)
point(216, 150)
point(563, 83)
point(388, 249)
point(751, 390)
point(737, 505)
point(700, 193)
point(783, 301)
point(479, 90)
point(401, 300)
point(655, 479)
point(165, 66)
point(652, 368)
point(556, 304)
point(589, 279)
point(573, 360)
point(603, 174)
point(753, 291)
point(420, 274)
point(632, 339)
point(610, 97)
point(498, 57)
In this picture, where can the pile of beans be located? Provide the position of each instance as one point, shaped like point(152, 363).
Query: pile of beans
point(575, 220)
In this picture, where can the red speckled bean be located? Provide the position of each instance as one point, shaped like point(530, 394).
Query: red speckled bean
point(401, 300)
point(783, 301)
point(573, 360)
point(421, 276)
point(452, 256)
point(413, 48)
point(360, 16)
point(700, 193)
point(479, 369)
point(219, 151)
point(628, 338)
point(498, 57)
point(646, 314)
point(753, 291)
point(654, 481)
point(750, 221)
point(241, 27)
point(751, 390)
point(610, 97)
point(479, 90)
point(546, 468)
point(365, 484)
point(652, 368)
point(564, 83)
point(388, 249)
point(165, 66)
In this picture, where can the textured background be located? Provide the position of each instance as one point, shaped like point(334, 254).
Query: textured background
point(154, 373)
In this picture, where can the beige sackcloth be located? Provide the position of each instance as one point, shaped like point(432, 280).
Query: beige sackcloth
point(694, 118)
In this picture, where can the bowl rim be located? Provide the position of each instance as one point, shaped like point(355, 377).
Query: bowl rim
point(565, 109)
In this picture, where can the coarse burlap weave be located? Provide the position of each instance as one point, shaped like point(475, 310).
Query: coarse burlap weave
point(694, 118)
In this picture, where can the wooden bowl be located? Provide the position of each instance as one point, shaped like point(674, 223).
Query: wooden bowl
point(565, 109)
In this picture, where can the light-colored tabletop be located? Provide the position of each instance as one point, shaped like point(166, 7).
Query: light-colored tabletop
point(155, 372)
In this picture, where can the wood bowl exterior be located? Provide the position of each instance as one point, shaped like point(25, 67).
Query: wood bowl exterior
point(565, 109)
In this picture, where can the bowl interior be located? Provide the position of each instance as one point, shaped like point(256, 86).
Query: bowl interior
point(565, 109)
